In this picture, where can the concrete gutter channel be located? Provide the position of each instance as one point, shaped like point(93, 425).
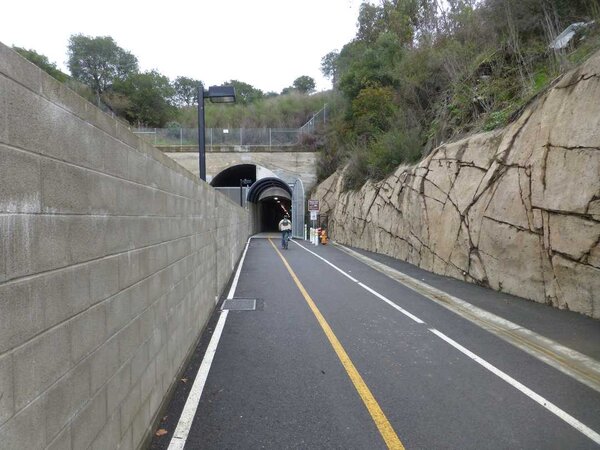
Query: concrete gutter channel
point(571, 362)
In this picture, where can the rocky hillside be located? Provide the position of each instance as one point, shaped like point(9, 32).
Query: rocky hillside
point(516, 209)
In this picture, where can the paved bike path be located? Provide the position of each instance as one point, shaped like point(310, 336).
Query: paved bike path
point(277, 383)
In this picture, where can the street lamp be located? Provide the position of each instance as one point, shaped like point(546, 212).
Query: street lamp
point(216, 94)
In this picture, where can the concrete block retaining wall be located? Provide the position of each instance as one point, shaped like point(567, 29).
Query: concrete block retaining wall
point(111, 258)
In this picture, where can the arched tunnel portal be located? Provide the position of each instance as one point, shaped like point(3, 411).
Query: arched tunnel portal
point(231, 176)
point(268, 196)
point(273, 199)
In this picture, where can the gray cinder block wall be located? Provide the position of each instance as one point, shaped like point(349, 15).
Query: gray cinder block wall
point(111, 257)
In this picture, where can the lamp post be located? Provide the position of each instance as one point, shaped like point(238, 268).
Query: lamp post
point(216, 94)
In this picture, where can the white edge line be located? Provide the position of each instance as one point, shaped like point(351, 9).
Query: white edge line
point(524, 389)
point(191, 405)
point(507, 378)
point(487, 321)
point(391, 303)
point(238, 271)
point(364, 286)
point(327, 262)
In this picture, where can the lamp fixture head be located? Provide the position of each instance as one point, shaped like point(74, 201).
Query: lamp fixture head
point(220, 94)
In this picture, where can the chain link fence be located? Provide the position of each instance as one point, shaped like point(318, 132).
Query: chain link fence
point(259, 137)
point(264, 137)
point(317, 120)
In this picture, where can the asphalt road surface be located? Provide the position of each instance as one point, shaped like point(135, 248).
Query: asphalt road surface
point(341, 353)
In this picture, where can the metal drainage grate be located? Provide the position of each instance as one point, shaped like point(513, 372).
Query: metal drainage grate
point(239, 304)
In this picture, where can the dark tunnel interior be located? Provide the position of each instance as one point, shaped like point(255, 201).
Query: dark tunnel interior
point(272, 210)
point(231, 177)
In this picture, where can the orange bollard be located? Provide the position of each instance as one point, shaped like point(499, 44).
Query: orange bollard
point(324, 237)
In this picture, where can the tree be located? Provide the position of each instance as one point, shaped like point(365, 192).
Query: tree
point(304, 84)
point(150, 98)
point(42, 62)
point(373, 111)
point(329, 66)
point(99, 62)
point(186, 91)
point(395, 16)
point(361, 65)
point(370, 22)
point(244, 92)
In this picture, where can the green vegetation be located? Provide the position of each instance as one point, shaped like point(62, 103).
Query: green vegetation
point(282, 111)
point(99, 62)
point(109, 76)
point(146, 97)
point(186, 91)
point(42, 62)
point(417, 75)
point(304, 84)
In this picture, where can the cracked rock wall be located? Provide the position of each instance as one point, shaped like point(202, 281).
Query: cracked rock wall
point(516, 209)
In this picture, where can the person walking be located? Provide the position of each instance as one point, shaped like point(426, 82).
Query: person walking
point(285, 226)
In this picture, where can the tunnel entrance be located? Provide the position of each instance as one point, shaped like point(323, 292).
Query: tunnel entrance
point(273, 198)
point(272, 211)
point(231, 177)
point(270, 195)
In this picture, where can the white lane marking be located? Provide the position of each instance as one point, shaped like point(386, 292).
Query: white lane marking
point(326, 262)
point(584, 369)
point(536, 397)
point(364, 286)
point(191, 405)
point(236, 278)
point(524, 389)
point(391, 303)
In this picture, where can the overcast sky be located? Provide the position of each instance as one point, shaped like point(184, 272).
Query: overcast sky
point(267, 43)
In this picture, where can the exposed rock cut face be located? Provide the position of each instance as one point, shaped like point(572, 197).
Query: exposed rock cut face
point(516, 209)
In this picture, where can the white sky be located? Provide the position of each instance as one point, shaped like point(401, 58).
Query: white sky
point(266, 43)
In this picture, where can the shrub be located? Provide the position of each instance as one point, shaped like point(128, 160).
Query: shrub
point(392, 149)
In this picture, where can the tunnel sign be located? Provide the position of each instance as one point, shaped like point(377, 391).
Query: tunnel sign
point(313, 205)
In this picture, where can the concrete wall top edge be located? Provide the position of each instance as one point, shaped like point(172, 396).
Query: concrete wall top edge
point(19, 70)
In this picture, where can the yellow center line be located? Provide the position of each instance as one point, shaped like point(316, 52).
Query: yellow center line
point(383, 425)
